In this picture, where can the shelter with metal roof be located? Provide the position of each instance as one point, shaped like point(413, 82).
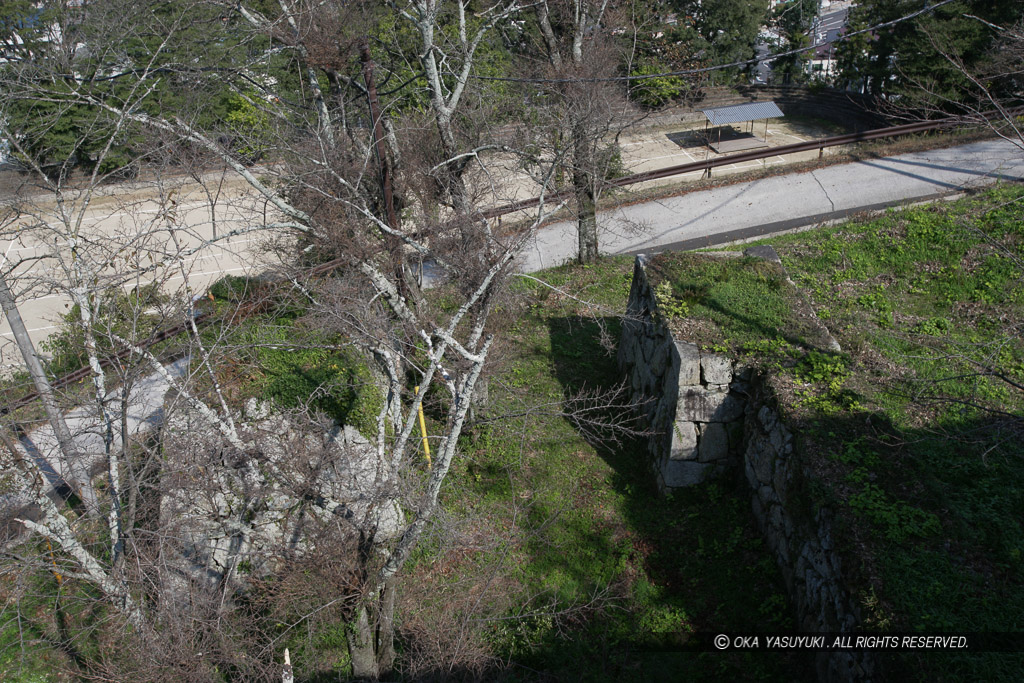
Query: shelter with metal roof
point(740, 113)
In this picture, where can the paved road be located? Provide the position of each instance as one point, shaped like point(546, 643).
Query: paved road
point(830, 24)
point(134, 220)
point(761, 207)
point(690, 221)
point(125, 229)
point(145, 412)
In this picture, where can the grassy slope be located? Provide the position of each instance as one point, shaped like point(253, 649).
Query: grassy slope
point(917, 435)
point(902, 429)
point(608, 570)
point(555, 559)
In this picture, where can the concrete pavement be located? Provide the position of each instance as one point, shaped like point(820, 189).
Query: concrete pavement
point(145, 403)
point(128, 224)
point(132, 232)
point(139, 225)
point(750, 209)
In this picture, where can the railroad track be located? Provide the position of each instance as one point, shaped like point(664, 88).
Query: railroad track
point(668, 172)
point(753, 155)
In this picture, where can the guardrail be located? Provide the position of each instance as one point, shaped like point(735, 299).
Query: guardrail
point(753, 155)
point(105, 362)
point(836, 140)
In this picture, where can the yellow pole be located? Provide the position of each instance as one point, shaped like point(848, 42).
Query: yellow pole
point(53, 561)
point(423, 431)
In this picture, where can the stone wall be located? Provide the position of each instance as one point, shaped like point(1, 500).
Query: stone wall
point(707, 414)
point(798, 533)
point(692, 400)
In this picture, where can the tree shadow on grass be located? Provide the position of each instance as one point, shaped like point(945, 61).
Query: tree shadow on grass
point(938, 504)
point(698, 562)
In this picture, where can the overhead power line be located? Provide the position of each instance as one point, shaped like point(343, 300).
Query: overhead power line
point(718, 67)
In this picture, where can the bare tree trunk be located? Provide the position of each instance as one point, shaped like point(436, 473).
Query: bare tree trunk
point(404, 274)
point(361, 648)
point(453, 171)
point(54, 526)
point(587, 122)
point(386, 629)
point(444, 100)
point(371, 642)
point(77, 468)
point(583, 190)
point(586, 223)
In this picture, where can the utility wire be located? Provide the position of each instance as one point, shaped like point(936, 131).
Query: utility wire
point(718, 67)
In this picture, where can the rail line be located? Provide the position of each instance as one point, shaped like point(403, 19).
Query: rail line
point(753, 155)
point(708, 164)
point(105, 362)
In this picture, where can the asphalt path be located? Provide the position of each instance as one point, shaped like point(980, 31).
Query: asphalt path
point(761, 207)
point(830, 24)
point(144, 406)
point(115, 230)
point(692, 220)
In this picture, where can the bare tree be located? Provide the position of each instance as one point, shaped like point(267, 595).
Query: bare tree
point(448, 85)
point(997, 90)
point(238, 494)
point(589, 108)
point(993, 88)
point(990, 96)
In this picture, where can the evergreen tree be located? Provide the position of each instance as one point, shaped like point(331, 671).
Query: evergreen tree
point(909, 58)
point(106, 58)
point(729, 28)
point(794, 20)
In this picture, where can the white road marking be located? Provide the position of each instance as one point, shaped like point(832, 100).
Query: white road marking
point(645, 160)
point(4, 259)
point(34, 329)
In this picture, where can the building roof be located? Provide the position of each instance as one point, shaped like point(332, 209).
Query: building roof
point(753, 111)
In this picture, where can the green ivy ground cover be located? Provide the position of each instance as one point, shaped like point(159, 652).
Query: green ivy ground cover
point(921, 431)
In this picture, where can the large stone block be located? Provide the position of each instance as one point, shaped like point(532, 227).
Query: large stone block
point(627, 350)
point(716, 368)
point(635, 378)
point(662, 417)
point(743, 373)
point(781, 479)
point(778, 439)
point(651, 411)
point(670, 395)
point(734, 431)
point(760, 461)
point(647, 347)
point(765, 251)
point(646, 381)
point(684, 442)
point(682, 473)
point(714, 443)
point(748, 468)
point(697, 404)
point(758, 509)
point(768, 496)
point(689, 363)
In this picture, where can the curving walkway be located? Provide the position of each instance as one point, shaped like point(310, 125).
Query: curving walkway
point(145, 403)
point(762, 207)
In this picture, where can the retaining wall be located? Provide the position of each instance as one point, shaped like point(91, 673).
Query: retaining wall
point(709, 416)
point(693, 401)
